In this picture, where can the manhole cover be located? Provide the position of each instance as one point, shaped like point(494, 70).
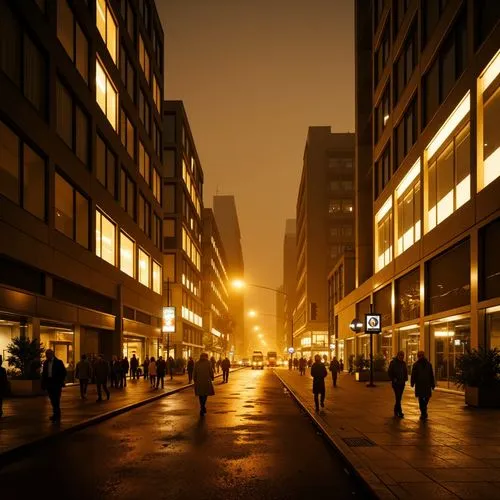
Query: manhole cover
point(358, 442)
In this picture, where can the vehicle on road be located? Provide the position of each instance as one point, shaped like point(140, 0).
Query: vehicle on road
point(272, 358)
point(244, 362)
point(257, 360)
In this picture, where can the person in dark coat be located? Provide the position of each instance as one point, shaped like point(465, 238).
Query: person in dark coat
point(101, 374)
point(422, 378)
point(125, 367)
point(161, 370)
point(295, 363)
point(318, 373)
point(53, 379)
point(218, 365)
point(4, 384)
point(341, 363)
point(171, 367)
point(310, 361)
point(290, 364)
point(398, 373)
point(190, 368)
point(335, 369)
point(302, 365)
point(226, 365)
point(146, 367)
point(203, 376)
point(113, 371)
point(83, 373)
point(134, 364)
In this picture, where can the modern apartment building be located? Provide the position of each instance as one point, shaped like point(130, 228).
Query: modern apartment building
point(80, 197)
point(182, 230)
point(217, 323)
point(434, 210)
point(226, 215)
point(289, 280)
point(325, 230)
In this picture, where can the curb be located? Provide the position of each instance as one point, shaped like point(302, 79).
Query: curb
point(19, 452)
point(371, 482)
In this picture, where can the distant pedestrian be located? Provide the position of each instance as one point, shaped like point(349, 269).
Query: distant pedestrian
point(125, 366)
point(113, 371)
point(302, 365)
point(101, 374)
point(398, 373)
point(351, 363)
point(83, 373)
point(134, 364)
point(290, 364)
point(226, 365)
point(161, 370)
point(190, 368)
point(203, 376)
point(318, 373)
point(218, 365)
point(146, 367)
point(171, 367)
point(341, 363)
point(4, 385)
point(335, 369)
point(212, 364)
point(295, 363)
point(152, 372)
point(325, 359)
point(422, 378)
point(53, 379)
point(310, 361)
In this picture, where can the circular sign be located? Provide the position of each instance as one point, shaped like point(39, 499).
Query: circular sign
point(356, 325)
point(291, 350)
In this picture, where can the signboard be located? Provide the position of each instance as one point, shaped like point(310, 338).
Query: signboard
point(291, 350)
point(373, 323)
point(168, 320)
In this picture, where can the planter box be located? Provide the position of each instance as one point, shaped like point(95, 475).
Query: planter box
point(364, 376)
point(26, 388)
point(482, 397)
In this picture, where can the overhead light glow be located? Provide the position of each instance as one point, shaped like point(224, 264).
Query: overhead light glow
point(491, 71)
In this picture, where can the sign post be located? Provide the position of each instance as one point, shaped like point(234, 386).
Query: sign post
point(373, 326)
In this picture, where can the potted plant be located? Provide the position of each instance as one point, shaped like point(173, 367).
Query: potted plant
point(25, 362)
point(360, 368)
point(478, 371)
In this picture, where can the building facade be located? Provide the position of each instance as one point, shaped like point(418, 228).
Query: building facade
point(435, 208)
point(289, 280)
point(226, 215)
point(280, 338)
point(217, 323)
point(80, 199)
point(324, 228)
point(182, 231)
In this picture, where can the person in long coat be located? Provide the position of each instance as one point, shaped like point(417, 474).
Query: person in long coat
point(101, 373)
point(318, 373)
point(152, 372)
point(422, 378)
point(190, 369)
point(335, 369)
point(53, 379)
point(398, 373)
point(203, 376)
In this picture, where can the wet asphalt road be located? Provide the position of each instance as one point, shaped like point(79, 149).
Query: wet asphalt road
point(254, 443)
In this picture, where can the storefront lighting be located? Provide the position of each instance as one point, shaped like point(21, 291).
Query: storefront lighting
point(412, 174)
point(408, 327)
point(443, 333)
point(384, 209)
point(491, 72)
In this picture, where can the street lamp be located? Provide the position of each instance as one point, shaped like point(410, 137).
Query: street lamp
point(252, 314)
point(256, 328)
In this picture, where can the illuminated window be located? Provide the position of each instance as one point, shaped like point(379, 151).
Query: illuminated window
point(144, 58)
point(106, 95)
point(384, 235)
point(489, 90)
point(144, 275)
point(107, 27)
point(156, 187)
point(156, 277)
point(347, 206)
point(127, 255)
point(105, 236)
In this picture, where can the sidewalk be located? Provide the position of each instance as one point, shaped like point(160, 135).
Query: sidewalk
point(455, 454)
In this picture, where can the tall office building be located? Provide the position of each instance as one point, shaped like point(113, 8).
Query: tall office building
point(80, 197)
point(435, 211)
point(224, 207)
point(217, 323)
point(182, 231)
point(280, 343)
point(325, 220)
point(289, 280)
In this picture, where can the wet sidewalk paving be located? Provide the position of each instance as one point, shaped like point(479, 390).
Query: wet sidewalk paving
point(27, 419)
point(455, 454)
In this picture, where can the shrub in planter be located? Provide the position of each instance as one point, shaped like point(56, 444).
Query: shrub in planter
point(25, 361)
point(360, 363)
point(379, 363)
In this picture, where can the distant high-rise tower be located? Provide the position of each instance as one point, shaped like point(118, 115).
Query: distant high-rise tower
point(289, 278)
point(224, 207)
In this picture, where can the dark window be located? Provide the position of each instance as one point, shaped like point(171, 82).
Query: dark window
point(406, 63)
point(431, 12)
point(169, 198)
point(33, 173)
point(35, 75)
point(127, 193)
point(127, 134)
point(157, 144)
point(382, 113)
point(144, 111)
point(489, 270)
point(448, 279)
point(382, 54)
point(431, 92)
point(382, 171)
point(406, 134)
point(157, 231)
point(10, 44)
point(18, 275)
point(408, 296)
point(382, 304)
point(127, 73)
point(400, 8)
point(169, 128)
point(144, 215)
point(129, 17)
point(170, 162)
point(74, 294)
point(105, 166)
point(486, 16)
point(363, 308)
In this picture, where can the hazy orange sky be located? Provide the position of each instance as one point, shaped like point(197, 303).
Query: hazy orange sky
point(253, 75)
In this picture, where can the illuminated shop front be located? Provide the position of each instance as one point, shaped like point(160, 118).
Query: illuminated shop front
point(409, 342)
point(134, 345)
point(61, 339)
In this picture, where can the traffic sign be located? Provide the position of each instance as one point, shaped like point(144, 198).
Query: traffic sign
point(291, 350)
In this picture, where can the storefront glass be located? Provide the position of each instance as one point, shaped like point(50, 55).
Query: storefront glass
point(493, 329)
point(364, 346)
point(409, 341)
point(341, 351)
point(133, 345)
point(386, 345)
point(62, 341)
point(10, 329)
point(451, 340)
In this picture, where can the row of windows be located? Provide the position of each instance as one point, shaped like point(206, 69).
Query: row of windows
point(190, 248)
point(191, 278)
point(340, 206)
point(337, 185)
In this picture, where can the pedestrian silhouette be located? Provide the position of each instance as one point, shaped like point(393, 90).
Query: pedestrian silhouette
point(398, 373)
point(335, 369)
point(422, 378)
point(203, 376)
point(318, 373)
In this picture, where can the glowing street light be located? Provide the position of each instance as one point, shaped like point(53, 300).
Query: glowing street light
point(261, 335)
point(256, 328)
point(239, 284)
point(252, 313)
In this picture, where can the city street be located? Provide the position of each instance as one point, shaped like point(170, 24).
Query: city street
point(253, 443)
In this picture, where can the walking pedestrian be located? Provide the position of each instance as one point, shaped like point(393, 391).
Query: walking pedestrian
point(226, 364)
point(398, 373)
point(318, 373)
point(212, 363)
point(190, 368)
point(203, 376)
point(302, 365)
point(310, 361)
point(101, 374)
point(295, 363)
point(113, 372)
point(171, 367)
point(351, 363)
point(161, 370)
point(334, 368)
point(53, 379)
point(422, 378)
point(125, 367)
point(146, 367)
point(218, 365)
point(290, 364)
point(341, 363)
point(152, 372)
point(4, 385)
point(134, 364)
point(83, 373)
